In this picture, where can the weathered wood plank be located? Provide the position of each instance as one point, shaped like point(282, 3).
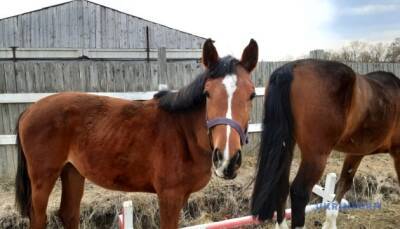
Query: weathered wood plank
point(53, 18)
point(4, 174)
point(75, 36)
point(102, 76)
point(131, 32)
point(11, 110)
point(97, 24)
point(119, 77)
point(2, 79)
point(2, 34)
point(93, 83)
point(83, 24)
point(90, 25)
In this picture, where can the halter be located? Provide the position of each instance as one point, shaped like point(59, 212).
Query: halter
point(244, 138)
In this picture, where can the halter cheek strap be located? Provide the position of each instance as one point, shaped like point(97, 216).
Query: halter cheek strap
point(232, 123)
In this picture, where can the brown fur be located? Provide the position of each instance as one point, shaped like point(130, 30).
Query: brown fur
point(104, 143)
point(331, 108)
point(334, 108)
point(132, 146)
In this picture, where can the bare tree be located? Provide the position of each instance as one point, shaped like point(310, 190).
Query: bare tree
point(359, 51)
point(356, 48)
point(393, 54)
point(378, 52)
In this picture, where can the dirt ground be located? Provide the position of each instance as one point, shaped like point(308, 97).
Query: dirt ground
point(375, 181)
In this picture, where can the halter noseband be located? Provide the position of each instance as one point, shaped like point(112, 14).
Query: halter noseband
point(244, 138)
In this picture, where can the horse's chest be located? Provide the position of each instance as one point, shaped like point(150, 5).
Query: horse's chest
point(200, 180)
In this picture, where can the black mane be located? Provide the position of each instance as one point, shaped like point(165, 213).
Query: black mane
point(192, 96)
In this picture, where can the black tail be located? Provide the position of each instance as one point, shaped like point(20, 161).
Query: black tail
point(22, 181)
point(277, 142)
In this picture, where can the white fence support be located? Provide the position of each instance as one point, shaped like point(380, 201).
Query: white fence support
point(327, 193)
point(126, 218)
point(7, 139)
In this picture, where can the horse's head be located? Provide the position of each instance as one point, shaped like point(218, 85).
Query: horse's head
point(229, 91)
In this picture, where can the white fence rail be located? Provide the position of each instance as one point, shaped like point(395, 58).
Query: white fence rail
point(33, 97)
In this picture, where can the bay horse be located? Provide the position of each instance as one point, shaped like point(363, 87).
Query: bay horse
point(321, 105)
point(166, 145)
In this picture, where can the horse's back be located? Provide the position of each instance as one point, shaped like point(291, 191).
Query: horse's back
point(59, 116)
point(387, 80)
point(64, 111)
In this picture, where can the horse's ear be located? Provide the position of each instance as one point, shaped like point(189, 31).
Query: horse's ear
point(210, 54)
point(250, 56)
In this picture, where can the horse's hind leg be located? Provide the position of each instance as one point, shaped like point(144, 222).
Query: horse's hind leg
point(42, 184)
point(349, 169)
point(72, 192)
point(310, 171)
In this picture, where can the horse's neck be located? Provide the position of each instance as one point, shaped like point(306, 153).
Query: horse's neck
point(194, 125)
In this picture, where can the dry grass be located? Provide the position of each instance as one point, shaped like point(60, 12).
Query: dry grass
point(225, 199)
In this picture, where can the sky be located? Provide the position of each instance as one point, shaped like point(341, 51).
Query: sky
point(283, 28)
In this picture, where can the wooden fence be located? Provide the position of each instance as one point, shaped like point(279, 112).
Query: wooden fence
point(49, 76)
point(84, 24)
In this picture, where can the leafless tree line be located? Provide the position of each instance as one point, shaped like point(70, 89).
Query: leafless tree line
point(358, 51)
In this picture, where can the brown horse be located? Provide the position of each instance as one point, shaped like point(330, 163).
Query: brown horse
point(163, 145)
point(321, 105)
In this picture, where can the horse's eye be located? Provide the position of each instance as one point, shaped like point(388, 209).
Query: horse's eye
point(252, 96)
point(207, 94)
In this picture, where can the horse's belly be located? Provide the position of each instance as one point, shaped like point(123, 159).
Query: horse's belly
point(114, 173)
point(122, 183)
point(363, 143)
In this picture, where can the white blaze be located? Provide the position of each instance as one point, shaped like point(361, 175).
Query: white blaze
point(230, 86)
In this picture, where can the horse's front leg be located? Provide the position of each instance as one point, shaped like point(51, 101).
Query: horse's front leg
point(349, 169)
point(171, 202)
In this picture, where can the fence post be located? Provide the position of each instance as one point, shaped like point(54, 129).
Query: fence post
point(162, 65)
point(128, 215)
point(329, 190)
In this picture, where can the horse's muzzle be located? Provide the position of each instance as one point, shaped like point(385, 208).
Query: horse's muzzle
point(226, 169)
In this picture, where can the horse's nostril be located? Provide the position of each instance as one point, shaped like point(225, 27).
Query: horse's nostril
point(238, 158)
point(217, 156)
